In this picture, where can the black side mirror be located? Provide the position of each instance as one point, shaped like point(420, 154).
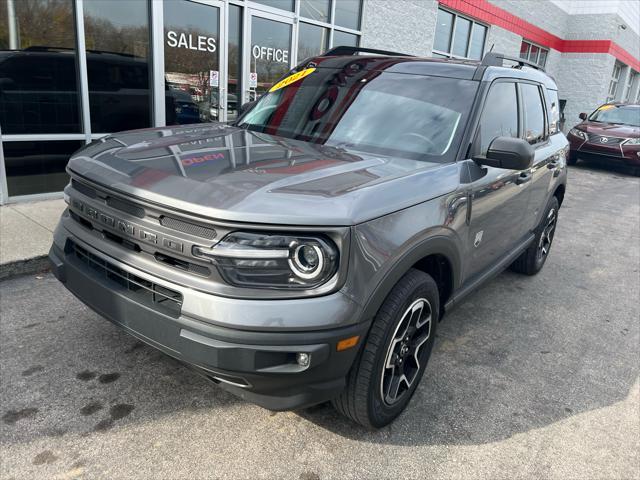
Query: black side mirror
point(583, 116)
point(508, 153)
point(246, 106)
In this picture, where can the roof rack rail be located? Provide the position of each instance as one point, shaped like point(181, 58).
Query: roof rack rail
point(343, 50)
point(493, 59)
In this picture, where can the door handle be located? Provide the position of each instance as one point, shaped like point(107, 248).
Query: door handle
point(524, 177)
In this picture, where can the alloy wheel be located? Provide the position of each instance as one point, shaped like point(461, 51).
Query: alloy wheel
point(547, 235)
point(402, 362)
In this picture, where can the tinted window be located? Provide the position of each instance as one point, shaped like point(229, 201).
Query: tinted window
point(315, 9)
point(37, 167)
point(270, 58)
point(533, 112)
point(312, 40)
point(500, 115)
point(347, 14)
point(191, 53)
point(461, 37)
point(282, 4)
point(234, 40)
point(410, 116)
point(344, 39)
point(38, 87)
point(117, 42)
point(476, 46)
point(444, 25)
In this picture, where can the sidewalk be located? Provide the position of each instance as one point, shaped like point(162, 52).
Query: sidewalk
point(25, 235)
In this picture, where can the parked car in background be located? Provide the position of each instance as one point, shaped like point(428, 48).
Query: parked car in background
point(610, 135)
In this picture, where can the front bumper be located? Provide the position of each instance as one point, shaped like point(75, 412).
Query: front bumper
point(628, 155)
point(259, 366)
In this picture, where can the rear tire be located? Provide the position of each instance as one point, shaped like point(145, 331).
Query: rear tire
point(388, 370)
point(533, 258)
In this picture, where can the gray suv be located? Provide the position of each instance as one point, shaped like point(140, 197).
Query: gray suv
point(307, 251)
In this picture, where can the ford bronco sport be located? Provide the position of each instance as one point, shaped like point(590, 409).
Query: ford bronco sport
point(307, 251)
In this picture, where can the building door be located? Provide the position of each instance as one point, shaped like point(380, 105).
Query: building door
point(194, 61)
point(268, 52)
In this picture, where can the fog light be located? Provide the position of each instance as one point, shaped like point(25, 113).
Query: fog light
point(303, 359)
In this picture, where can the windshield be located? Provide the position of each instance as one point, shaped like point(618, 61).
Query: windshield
point(405, 115)
point(619, 114)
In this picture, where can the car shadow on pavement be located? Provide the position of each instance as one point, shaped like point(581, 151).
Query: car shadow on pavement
point(603, 167)
point(500, 369)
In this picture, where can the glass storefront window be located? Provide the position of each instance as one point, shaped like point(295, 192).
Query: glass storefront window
point(270, 56)
point(444, 29)
point(344, 39)
point(315, 9)
point(117, 44)
point(38, 167)
point(38, 77)
point(234, 89)
point(312, 40)
point(347, 14)
point(281, 4)
point(461, 37)
point(191, 61)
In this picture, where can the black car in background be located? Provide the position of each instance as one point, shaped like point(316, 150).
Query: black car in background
point(39, 93)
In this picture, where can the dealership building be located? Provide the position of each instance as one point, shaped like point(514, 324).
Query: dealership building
point(72, 71)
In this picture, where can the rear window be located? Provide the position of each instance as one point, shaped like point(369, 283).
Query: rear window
point(412, 116)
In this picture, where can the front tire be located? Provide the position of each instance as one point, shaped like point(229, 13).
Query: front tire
point(533, 258)
point(388, 370)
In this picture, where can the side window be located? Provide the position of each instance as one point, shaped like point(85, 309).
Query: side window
point(500, 115)
point(533, 113)
point(553, 107)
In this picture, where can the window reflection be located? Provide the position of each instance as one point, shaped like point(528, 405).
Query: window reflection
point(344, 39)
point(37, 167)
point(281, 4)
point(38, 87)
point(191, 61)
point(234, 90)
point(347, 13)
point(117, 44)
point(315, 9)
point(312, 40)
point(270, 56)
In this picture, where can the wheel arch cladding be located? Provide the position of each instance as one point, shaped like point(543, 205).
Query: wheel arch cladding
point(436, 256)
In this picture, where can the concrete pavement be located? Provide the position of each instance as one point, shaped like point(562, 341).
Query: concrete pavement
point(532, 377)
point(25, 235)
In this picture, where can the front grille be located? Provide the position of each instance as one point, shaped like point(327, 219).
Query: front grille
point(186, 227)
point(126, 207)
point(164, 300)
point(609, 140)
point(84, 189)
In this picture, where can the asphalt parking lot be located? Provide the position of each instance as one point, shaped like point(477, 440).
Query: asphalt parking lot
point(530, 378)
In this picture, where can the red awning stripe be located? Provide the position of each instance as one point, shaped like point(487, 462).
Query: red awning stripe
point(486, 12)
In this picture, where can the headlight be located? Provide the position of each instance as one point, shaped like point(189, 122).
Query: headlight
point(578, 133)
point(265, 260)
point(632, 141)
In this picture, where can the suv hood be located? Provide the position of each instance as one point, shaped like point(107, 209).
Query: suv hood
point(223, 172)
point(610, 129)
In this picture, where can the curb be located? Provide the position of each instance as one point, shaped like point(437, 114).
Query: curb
point(24, 267)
